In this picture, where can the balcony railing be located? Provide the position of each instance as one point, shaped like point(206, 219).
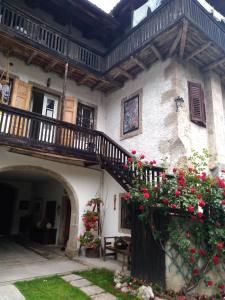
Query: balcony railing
point(14, 20)
point(34, 132)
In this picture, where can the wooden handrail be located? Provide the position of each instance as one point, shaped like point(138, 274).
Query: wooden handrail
point(166, 15)
point(20, 128)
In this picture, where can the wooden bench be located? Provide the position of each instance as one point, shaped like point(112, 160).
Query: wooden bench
point(118, 245)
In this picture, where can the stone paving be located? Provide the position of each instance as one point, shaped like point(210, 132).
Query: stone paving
point(93, 291)
point(10, 292)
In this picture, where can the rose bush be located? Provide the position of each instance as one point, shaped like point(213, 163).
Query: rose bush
point(194, 201)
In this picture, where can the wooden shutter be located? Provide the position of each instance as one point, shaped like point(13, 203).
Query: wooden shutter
point(196, 103)
point(20, 99)
point(69, 115)
point(21, 95)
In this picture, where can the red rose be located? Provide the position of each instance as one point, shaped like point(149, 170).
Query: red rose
point(128, 195)
point(140, 164)
point(196, 272)
point(220, 245)
point(152, 162)
point(210, 283)
point(192, 259)
point(130, 159)
point(191, 209)
point(222, 286)
point(190, 169)
point(207, 190)
point(193, 190)
point(200, 215)
point(134, 152)
point(199, 196)
point(216, 260)
point(223, 202)
point(174, 206)
point(174, 170)
point(223, 193)
point(188, 234)
point(142, 156)
point(141, 207)
point(202, 203)
point(165, 201)
point(144, 190)
point(193, 250)
point(146, 195)
point(203, 252)
point(178, 193)
point(125, 166)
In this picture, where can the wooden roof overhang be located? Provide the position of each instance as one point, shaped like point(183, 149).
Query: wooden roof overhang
point(178, 27)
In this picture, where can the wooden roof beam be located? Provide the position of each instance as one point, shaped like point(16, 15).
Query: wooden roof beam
point(183, 38)
point(124, 72)
point(139, 63)
point(175, 42)
point(214, 64)
point(83, 79)
point(31, 57)
point(156, 52)
point(198, 51)
point(50, 66)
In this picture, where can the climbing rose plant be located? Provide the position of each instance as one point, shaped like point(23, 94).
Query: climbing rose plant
point(193, 202)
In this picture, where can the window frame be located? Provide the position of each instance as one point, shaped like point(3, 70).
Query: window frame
point(120, 227)
point(200, 119)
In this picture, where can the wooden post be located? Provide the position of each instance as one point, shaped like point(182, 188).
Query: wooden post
point(64, 89)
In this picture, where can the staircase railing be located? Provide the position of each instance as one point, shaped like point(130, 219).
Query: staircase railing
point(20, 128)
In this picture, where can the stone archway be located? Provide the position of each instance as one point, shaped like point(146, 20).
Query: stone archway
point(71, 247)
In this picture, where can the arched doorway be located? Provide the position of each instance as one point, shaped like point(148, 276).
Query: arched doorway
point(45, 204)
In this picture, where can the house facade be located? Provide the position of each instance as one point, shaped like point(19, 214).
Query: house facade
point(80, 88)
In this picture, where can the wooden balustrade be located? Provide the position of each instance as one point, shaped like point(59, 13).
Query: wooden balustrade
point(28, 130)
point(15, 20)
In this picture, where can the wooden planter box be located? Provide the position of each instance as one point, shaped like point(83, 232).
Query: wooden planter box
point(93, 253)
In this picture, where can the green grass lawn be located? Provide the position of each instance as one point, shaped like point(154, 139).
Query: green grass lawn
point(52, 288)
point(104, 279)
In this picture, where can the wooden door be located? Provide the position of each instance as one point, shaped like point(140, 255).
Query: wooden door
point(69, 115)
point(20, 99)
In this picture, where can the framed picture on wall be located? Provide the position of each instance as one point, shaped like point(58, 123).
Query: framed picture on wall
point(131, 109)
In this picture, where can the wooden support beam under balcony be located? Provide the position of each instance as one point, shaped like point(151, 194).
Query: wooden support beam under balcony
point(123, 72)
point(50, 66)
point(183, 38)
point(198, 50)
point(176, 42)
point(214, 64)
point(137, 61)
point(31, 57)
point(83, 79)
point(156, 52)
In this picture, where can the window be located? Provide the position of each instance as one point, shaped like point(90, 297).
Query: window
point(131, 109)
point(6, 91)
point(197, 104)
point(124, 216)
point(85, 116)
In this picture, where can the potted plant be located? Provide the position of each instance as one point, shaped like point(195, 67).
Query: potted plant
point(91, 243)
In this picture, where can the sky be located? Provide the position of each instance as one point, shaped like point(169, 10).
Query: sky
point(107, 5)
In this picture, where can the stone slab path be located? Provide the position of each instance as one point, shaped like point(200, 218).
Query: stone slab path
point(10, 292)
point(93, 291)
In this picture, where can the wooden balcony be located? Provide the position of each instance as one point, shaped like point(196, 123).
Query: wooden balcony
point(34, 133)
point(180, 27)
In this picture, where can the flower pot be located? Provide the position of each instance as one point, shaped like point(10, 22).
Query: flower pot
point(92, 252)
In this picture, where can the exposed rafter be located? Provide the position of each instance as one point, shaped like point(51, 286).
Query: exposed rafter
point(50, 66)
point(183, 38)
point(198, 50)
point(214, 64)
point(124, 72)
point(31, 57)
point(139, 63)
point(156, 52)
point(83, 79)
point(175, 42)
point(98, 85)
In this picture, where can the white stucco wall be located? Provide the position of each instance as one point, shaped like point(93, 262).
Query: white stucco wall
point(166, 133)
point(32, 73)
